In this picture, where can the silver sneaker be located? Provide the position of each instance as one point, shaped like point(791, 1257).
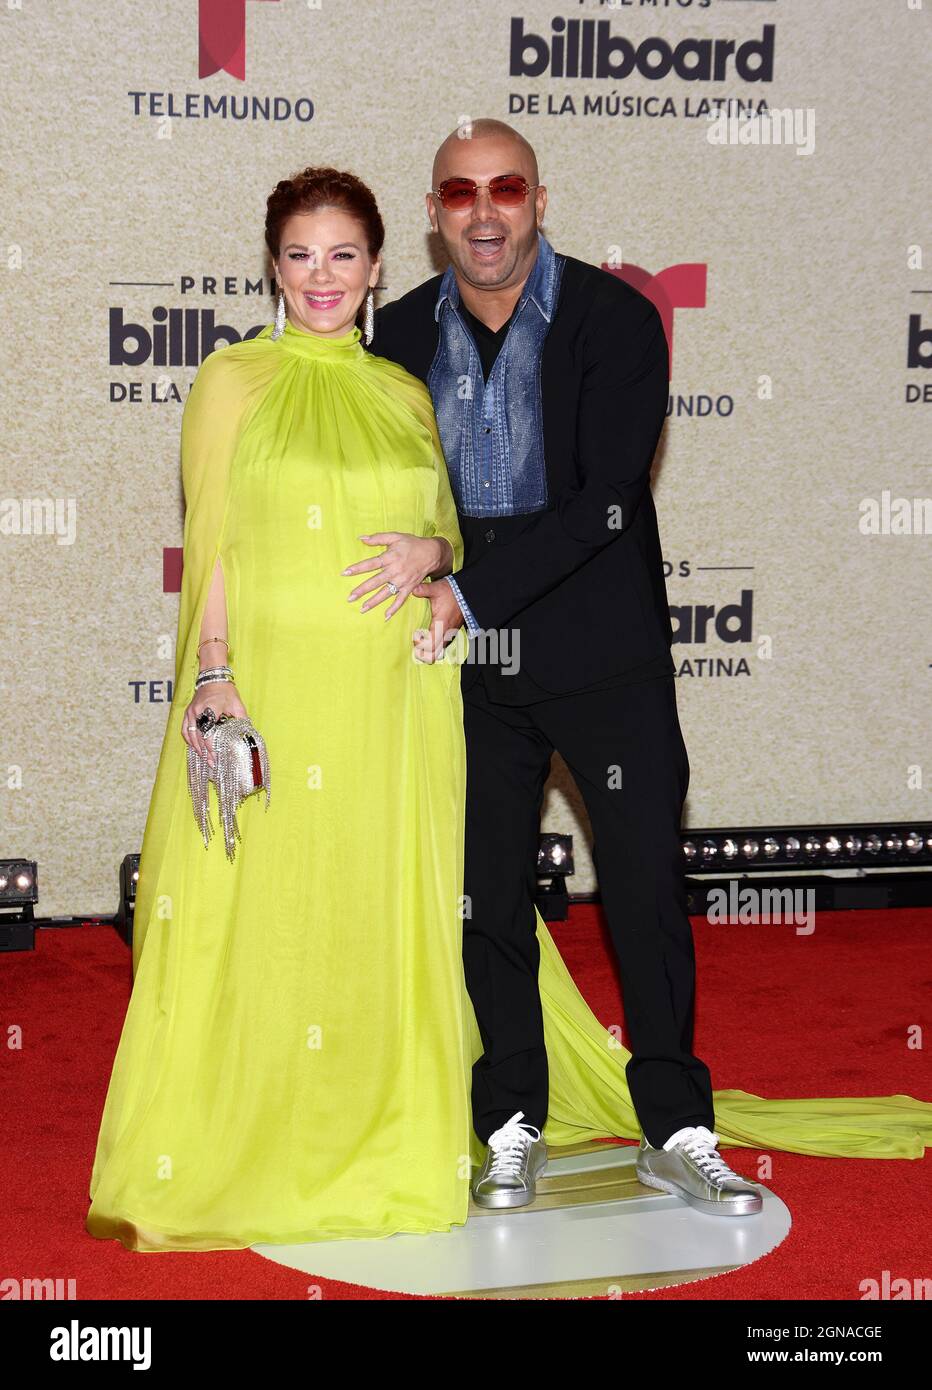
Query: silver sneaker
point(515, 1159)
point(689, 1167)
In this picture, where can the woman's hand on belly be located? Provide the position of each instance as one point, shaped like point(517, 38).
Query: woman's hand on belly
point(405, 562)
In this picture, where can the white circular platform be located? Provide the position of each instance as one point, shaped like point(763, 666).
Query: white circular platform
point(593, 1230)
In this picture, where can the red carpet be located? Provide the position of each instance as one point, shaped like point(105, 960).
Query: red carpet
point(827, 1014)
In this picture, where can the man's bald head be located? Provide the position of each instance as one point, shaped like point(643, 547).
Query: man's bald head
point(491, 245)
point(517, 152)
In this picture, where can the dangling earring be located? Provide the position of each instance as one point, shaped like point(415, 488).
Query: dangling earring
point(368, 321)
point(279, 328)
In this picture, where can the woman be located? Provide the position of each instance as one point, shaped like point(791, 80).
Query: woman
point(294, 1063)
point(296, 1056)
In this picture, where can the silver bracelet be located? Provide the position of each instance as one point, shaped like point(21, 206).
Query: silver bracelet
point(219, 673)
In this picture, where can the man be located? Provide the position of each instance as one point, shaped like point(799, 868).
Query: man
point(549, 379)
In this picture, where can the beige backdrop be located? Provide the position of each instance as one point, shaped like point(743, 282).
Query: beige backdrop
point(813, 267)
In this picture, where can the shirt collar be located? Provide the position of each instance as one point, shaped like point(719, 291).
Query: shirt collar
point(539, 286)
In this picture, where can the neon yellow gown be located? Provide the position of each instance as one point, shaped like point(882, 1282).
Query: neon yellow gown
point(296, 1056)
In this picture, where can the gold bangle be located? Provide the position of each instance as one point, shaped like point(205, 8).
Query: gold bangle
point(225, 641)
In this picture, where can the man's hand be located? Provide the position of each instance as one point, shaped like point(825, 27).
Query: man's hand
point(446, 617)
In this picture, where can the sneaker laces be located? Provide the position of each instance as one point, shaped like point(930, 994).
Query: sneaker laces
point(509, 1145)
point(699, 1144)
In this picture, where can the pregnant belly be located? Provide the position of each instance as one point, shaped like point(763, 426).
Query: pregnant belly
point(297, 606)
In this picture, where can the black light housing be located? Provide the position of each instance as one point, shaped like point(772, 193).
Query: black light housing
point(554, 861)
point(129, 878)
point(19, 893)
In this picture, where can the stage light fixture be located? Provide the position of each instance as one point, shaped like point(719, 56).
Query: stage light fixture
point(129, 878)
point(855, 846)
point(19, 893)
point(554, 861)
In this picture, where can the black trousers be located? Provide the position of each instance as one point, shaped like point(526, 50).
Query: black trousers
point(629, 733)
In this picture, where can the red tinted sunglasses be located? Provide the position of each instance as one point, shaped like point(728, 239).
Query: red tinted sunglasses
point(506, 190)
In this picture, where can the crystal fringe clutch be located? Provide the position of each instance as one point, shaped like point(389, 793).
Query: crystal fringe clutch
point(241, 767)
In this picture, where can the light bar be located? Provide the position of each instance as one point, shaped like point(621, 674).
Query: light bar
point(881, 844)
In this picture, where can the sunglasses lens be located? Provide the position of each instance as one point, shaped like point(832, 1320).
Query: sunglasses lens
point(508, 191)
point(457, 193)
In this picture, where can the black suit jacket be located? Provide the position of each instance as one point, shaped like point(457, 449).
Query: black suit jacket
point(582, 579)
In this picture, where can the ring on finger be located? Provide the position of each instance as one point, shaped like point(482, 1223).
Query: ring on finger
point(392, 588)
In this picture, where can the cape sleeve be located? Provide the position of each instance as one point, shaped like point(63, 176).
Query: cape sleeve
point(210, 428)
point(219, 401)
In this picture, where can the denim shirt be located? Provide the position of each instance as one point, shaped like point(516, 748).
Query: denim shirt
point(492, 431)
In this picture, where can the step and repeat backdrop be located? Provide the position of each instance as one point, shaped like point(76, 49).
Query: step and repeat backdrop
point(759, 168)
